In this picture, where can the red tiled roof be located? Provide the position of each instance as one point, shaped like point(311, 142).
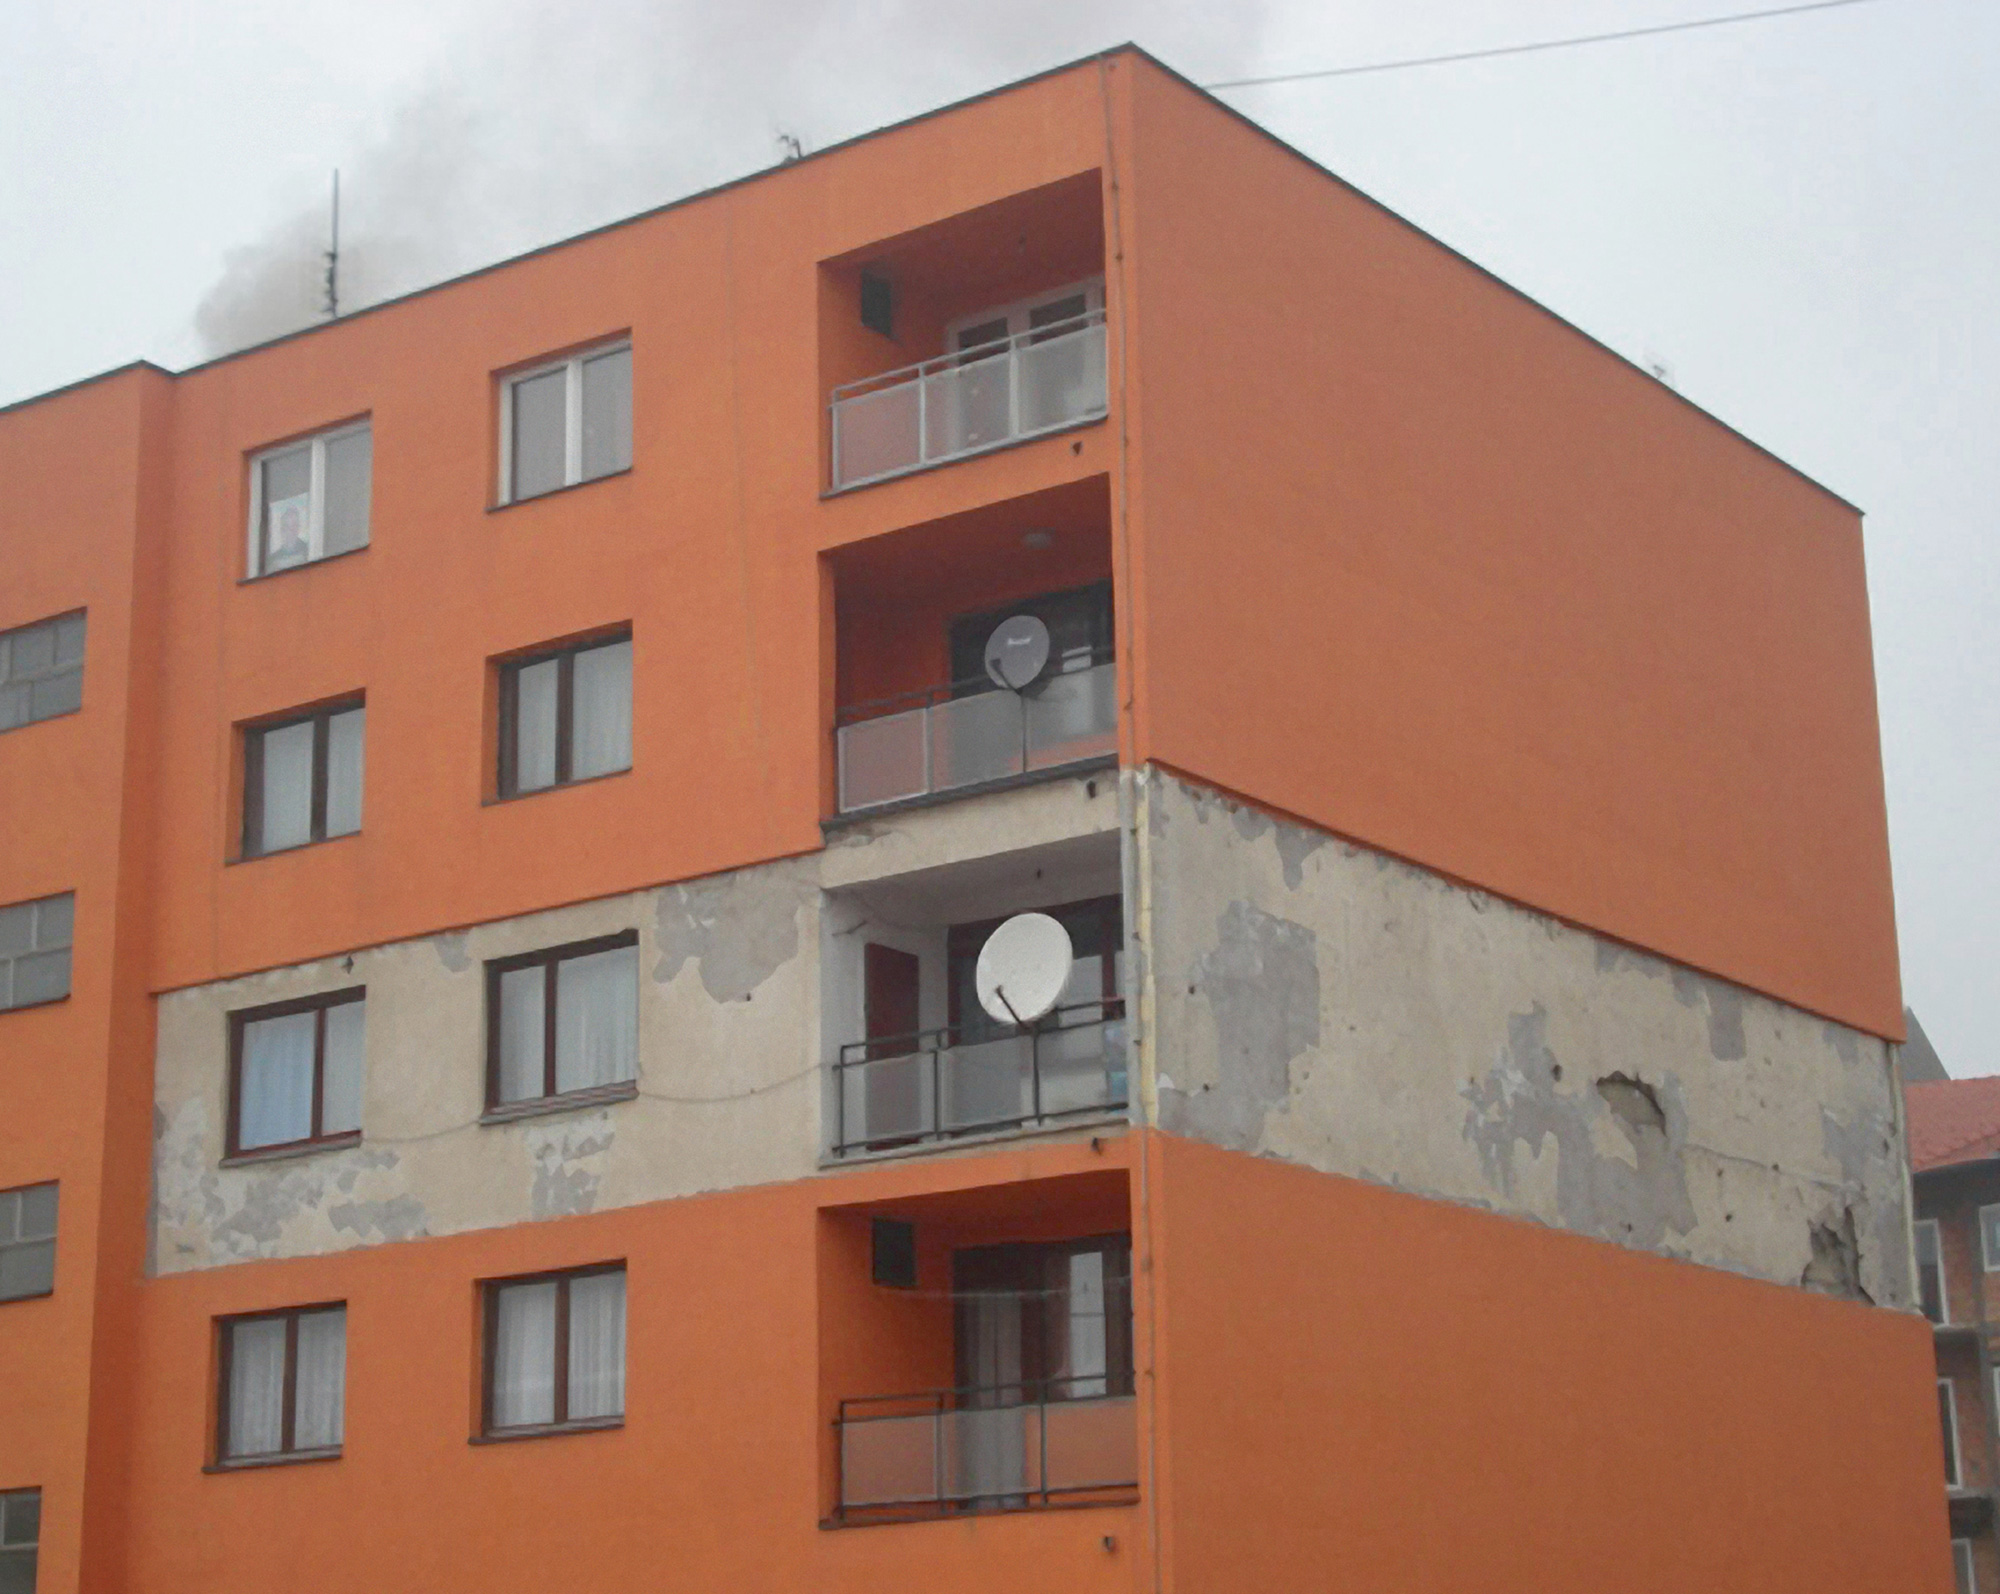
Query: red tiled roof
point(1955, 1121)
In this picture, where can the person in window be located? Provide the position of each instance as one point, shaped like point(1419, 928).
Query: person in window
point(288, 534)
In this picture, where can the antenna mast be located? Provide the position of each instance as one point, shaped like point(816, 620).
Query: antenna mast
point(333, 255)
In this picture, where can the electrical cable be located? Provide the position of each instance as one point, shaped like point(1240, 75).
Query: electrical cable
point(1540, 44)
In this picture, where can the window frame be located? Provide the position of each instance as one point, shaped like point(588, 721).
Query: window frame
point(36, 949)
point(1988, 1260)
point(572, 364)
point(57, 667)
point(1962, 1562)
point(550, 958)
point(48, 1239)
point(1016, 312)
point(316, 490)
point(1948, 1412)
point(250, 835)
point(28, 1550)
point(1937, 1246)
point(225, 1352)
point(489, 1320)
point(241, 1019)
point(510, 666)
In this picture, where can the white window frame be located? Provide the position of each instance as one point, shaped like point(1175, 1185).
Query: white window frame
point(573, 364)
point(1956, 1479)
point(1017, 313)
point(316, 490)
point(1944, 1287)
point(1987, 1259)
point(1962, 1567)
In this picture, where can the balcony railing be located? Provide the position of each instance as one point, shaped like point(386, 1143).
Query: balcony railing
point(944, 1083)
point(1008, 1446)
point(969, 401)
point(972, 732)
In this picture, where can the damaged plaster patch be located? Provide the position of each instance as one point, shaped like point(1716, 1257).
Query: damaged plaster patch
point(1867, 1151)
point(1261, 982)
point(740, 928)
point(399, 1218)
point(1634, 1202)
point(1725, 1021)
point(1835, 1268)
point(568, 1165)
point(450, 949)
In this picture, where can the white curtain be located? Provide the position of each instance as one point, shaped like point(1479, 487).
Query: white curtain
point(521, 1026)
point(601, 729)
point(343, 773)
point(346, 1049)
point(274, 1099)
point(349, 465)
point(607, 414)
point(524, 1356)
point(286, 815)
point(1083, 1359)
point(535, 725)
point(256, 1387)
point(597, 1019)
point(597, 1346)
point(320, 1394)
point(540, 433)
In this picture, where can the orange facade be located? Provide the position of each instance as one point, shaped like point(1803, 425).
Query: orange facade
point(1401, 557)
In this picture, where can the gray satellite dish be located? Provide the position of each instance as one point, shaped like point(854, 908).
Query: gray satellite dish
point(1023, 968)
point(1017, 652)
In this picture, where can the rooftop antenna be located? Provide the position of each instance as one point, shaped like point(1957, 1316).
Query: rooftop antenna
point(790, 147)
point(333, 255)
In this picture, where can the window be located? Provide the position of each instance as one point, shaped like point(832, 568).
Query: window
point(41, 671)
point(20, 1532)
point(555, 1351)
point(1948, 1420)
point(565, 715)
point(302, 779)
point(283, 1385)
point(563, 1021)
point(34, 950)
point(1044, 1321)
point(1049, 314)
point(309, 500)
point(295, 1071)
point(27, 1244)
point(1961, 1566)
point(1930, 1272)
point(566, 422)
point(1989, 1238)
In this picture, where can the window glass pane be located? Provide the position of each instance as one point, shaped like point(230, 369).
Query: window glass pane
point(27, 1268)
point(343, 772)
point(17, 1572)
point(1989, 1223)
point(37, 1212)
point(10, 1206)
point(1058, 311)
point(320, 1389)
point(286, 811)
point(287, 493)
point(33, 650)
point(349, 461)
point(17, 928)
point(521, 1019)
point(42, 977)
point(346, 1048)
point(597, 1018)
point(56, 694)
point(597, 1346)
point(256, 1388)
point(55, 921)
point(524, 1356)
point(14, 701)
point(23, 1517)
point(274, 1103)
point(535, 725)
point(607, 414)
point(69, 639)
point(601, 727)
point(539, 433)
point(1084, 1352)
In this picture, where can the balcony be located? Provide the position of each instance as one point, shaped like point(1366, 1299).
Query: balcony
point(969, 401)
point(1004, 1447)
point(947, 1083)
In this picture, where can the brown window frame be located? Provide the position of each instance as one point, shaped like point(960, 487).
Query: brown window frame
point(564, 654)
point(489, 1318)
point(320, 719)
point(225, 1351)
point(551, 957)
point(241, 1019)
point(17, 1550)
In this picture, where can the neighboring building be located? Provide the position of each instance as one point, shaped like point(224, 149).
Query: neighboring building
point(504, 803)
point(1954, 1129)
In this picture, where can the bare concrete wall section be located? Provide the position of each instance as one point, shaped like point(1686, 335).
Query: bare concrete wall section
point(1323, 1003)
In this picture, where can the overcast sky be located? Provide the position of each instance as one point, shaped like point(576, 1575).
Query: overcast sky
point(1796, 217)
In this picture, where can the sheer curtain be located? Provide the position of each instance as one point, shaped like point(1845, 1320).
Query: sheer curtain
point(343, 773)
point(535, 725)
point(521, 1028)
point(286, 814)
point(274, 1094)
point(256, 1387)
point(597, 1019)
point(607, 414)
point(320, 1396)
point(346, 1047)
point(597, 1346)
point(524, 1355)
point(602, 726)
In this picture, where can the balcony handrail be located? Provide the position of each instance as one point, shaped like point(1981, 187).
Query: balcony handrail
point(947, 1037)
point(950, 691)
point(1033, 1392)
point(1055, 330)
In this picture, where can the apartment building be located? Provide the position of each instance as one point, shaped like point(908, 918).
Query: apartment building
point(523, 807)
point(1954, 1129)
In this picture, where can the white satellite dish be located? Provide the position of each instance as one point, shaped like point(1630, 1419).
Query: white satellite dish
point(1017, 652)
point(1023, 968)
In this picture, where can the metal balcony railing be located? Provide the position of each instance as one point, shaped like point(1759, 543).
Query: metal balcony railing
point(969, 401)
point(943, 1083)
point(971, 732)
point(1008, 1445)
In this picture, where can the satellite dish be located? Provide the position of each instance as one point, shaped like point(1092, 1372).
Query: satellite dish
point(1017, 652)
point(1023, 968)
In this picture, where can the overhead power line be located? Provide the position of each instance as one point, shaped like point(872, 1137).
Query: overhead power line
point(1539, 44)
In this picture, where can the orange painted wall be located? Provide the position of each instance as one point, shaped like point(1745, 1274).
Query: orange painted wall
point(1419, 1396)
point(1428, 568)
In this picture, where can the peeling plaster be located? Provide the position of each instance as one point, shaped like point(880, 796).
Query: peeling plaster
point(568, 1164)
point(451, 952)
point(740, 928)
point(399, 1218)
